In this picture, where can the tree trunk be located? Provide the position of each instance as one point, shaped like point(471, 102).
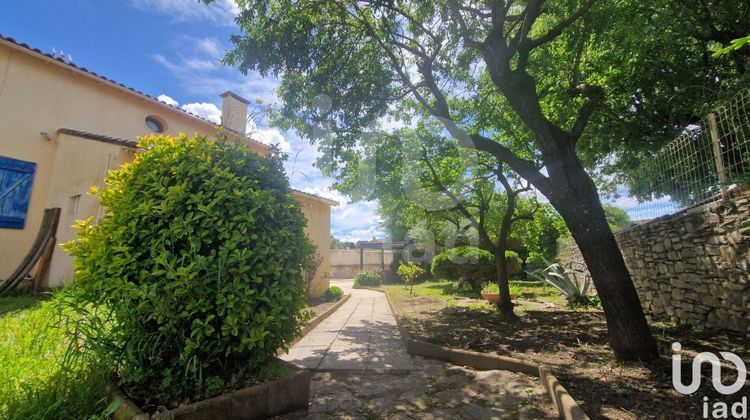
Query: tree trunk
point(504, 304)
point(577, 200)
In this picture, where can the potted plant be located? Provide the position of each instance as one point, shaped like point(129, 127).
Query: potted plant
point(491, 294)
point(193, 280)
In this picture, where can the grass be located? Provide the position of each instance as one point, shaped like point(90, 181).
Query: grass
point(17, 302)
point(533, 290)
point(451, 293)
point(39, 378)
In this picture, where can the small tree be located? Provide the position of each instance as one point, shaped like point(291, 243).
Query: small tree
point(410, 272)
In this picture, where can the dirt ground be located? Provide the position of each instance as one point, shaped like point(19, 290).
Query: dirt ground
point(574, 344)
point(434, 390)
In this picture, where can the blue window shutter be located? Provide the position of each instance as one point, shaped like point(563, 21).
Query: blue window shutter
point(16, 179)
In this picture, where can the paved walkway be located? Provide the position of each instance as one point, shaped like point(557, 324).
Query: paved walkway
point(361, 335)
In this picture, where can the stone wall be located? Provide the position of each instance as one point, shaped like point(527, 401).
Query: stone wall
point(692, 268)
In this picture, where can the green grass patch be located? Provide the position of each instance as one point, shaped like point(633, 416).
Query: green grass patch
point(452, 293)
point(16, 302)
point(39, 378)
point(532, 290)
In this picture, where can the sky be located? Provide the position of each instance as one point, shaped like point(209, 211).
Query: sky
point(171, 49)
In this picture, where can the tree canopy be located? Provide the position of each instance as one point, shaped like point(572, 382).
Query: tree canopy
point(546, 87)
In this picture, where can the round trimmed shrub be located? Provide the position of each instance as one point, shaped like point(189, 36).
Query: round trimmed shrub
point(333, 293)
point(195, 270)
point(473, 266)
point(366, 279)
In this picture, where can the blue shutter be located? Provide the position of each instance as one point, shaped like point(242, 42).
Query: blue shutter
point(16, 178)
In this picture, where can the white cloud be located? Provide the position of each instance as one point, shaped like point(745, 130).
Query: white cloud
point(167, 100)
point(270, 136)
point(194, 64)
point(209, 46)
point(206, 110)
point(221, 12)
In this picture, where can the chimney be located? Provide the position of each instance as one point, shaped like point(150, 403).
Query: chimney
point(234, 112)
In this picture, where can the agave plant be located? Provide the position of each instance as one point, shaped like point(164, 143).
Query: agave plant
point(568, 281)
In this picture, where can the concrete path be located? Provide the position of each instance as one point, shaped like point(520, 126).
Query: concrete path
point(361, 335)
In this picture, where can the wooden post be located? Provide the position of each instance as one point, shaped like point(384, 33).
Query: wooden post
point(382, 259)
point(718, 160)
point(361, 258)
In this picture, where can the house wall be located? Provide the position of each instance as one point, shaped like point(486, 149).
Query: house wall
point(318, 230)
point(38, 95)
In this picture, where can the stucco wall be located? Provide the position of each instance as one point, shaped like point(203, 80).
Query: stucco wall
point(345, 262)
point(36, 96)
point(318, 230)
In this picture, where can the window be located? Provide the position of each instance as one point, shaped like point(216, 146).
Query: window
point(155, 124)
point(16, 178)
point(74, 204)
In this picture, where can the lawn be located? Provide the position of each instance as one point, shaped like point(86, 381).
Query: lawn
point(529, 294)
point(16, 302)
point(572, 342)
point(37, 380)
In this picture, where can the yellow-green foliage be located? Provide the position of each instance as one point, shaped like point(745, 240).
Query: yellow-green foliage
point(198, 261)
point(410, 272)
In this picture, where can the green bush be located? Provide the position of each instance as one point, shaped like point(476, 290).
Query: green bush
point(366, 279)
point(195, 271)
point(473, 266)
point(398, 257)
point(334, 293)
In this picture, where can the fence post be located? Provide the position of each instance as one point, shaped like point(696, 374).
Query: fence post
point(718, 160)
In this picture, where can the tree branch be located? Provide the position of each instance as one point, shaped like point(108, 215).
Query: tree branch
point(593, 97)
point(561, 26)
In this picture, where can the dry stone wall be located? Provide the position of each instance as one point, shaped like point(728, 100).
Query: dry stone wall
point(692, 268)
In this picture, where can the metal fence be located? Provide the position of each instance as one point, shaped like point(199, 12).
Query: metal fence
point(701, 165)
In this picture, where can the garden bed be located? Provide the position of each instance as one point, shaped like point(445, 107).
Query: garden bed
point(289, 393)
point(572, 342)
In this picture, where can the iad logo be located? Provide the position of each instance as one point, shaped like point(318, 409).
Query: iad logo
point(720, 409)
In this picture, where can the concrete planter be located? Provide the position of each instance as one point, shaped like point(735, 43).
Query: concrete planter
point(284, 395)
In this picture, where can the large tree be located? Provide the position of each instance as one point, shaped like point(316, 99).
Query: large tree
point(481, 68)
point(431, 189)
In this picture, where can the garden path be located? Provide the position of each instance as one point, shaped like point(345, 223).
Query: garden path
point(361, 335)
point(364, 372)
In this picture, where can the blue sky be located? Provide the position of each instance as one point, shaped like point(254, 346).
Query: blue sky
point(172, 48)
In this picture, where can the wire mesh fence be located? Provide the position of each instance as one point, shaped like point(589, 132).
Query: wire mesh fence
point(701, 165)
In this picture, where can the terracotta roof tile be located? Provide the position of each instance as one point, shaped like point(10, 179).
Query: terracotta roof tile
point(99, 137)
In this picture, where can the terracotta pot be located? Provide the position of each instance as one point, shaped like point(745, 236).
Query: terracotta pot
point(494, 297)
point(491, 297)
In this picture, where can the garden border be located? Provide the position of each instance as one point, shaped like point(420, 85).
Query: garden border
point(264, 395)
point(566, 405)
point(284, 395)
point(317, 320)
